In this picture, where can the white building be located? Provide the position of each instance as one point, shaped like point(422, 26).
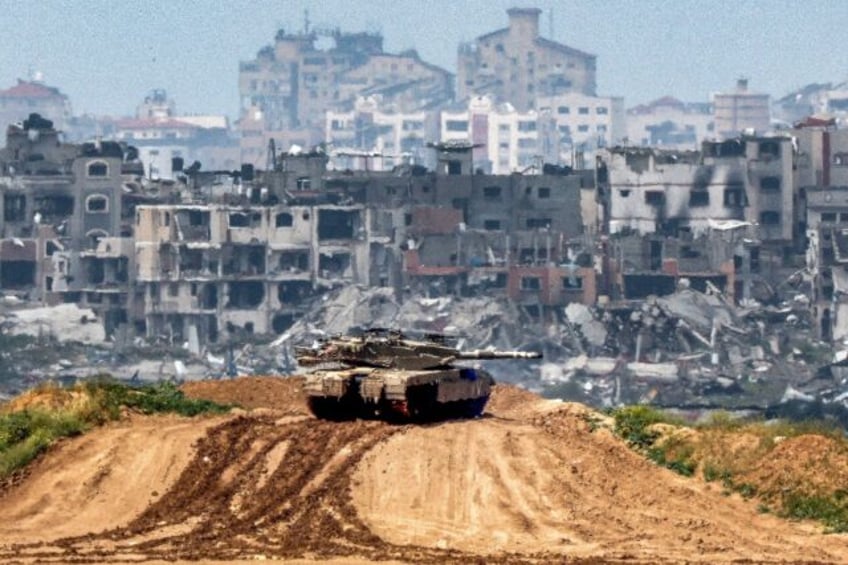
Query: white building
point(505, 139)
point(377, 137)
point(585, 123)
point(741, 112)
point(160, 137)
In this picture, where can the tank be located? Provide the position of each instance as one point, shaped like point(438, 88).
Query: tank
point(384, 374)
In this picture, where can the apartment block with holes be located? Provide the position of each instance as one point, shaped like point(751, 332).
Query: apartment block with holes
point(674, 198)
point(64, 235)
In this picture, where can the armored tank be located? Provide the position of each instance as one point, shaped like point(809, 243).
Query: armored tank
point(384, 374)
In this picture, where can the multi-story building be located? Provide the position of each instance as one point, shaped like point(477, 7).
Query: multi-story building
point(746, 179)
point(288, 87)
point(517, 65)
point(827, 260)
point(378, 138)
point(504, 139)
point(210, 256)
point(34, 97)
point(741, 112)
point(585, 123)
point(64, 220)
point(670, 124)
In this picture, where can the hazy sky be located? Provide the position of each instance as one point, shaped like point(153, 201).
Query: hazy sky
point(107, 54)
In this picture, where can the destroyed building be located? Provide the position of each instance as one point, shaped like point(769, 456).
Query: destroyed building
point(823, 178)
point(691, 213)
point(62, 223)
point(215, 255)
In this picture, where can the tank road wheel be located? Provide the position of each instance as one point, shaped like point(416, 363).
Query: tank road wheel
point(421, 403)
point(331, 408)
point(473, 407)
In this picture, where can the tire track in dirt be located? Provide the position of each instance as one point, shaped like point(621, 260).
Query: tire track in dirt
point(302, 509)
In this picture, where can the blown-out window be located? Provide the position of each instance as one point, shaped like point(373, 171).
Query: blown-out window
point(97, 204)
point(98, 169)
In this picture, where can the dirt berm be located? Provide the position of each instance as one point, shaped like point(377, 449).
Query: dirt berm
point(531, 482)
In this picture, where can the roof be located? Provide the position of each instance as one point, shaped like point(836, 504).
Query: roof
point(816, 122)
point(28, 89)
point(150, 123)
point(670, 101)
point(542, 42)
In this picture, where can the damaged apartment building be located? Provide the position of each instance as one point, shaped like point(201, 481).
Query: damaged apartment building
point(823, 179)
point(252, 261)
point(64, 238)
point(216, 255)
point(724, 215)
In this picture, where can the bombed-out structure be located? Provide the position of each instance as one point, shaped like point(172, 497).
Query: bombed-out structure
point(212, 255)
point(64, 223)
point(724, 215)
point(250, 262)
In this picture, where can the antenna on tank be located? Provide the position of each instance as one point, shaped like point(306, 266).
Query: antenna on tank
point(306, 21)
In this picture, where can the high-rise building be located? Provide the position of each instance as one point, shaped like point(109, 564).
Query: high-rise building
point(516, 65)
point(288, 87)
point(741, 112)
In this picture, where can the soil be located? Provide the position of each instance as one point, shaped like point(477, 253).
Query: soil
point(532, 481)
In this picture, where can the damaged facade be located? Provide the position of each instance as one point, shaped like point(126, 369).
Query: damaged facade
point(62, 223)
point(711, 214)
point(215, 255)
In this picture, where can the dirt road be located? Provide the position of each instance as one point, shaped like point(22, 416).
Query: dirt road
point(532, 482)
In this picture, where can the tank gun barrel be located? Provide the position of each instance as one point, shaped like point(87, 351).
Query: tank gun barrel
point(486, 354)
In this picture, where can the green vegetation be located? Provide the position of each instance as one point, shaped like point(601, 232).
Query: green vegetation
point(24, 434)
point(637, 425)
point(671, 443)
point(110, 397)
point(830, 510)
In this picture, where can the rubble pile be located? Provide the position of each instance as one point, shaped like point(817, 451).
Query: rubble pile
point(693, 349)
point(64, 322)
point(477, 321)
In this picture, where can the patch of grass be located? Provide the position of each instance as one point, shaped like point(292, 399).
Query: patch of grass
point(747, 490)
point(832, 511)
point(27, 433)
point(111, 396)
point(24, 435)
point(713, 472)
point(633, 424)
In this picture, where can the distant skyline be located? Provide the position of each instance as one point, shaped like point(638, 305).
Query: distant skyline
point(106, 56)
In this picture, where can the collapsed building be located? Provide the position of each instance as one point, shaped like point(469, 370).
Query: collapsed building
point(216, 255)
point(724, 214)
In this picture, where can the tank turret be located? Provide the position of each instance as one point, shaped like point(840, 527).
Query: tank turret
point(384, 374)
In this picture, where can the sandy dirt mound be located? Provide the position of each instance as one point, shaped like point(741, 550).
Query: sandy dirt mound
point(277, 393)
point(47, 398)
point(533, 482)
point(811, 464)
point(100, 480)
point(552, 485)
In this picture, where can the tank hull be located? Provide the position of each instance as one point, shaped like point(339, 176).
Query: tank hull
point(399, 395)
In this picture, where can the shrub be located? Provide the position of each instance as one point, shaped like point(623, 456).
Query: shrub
point(27, 433)
point(830, 510)
point(633, 424)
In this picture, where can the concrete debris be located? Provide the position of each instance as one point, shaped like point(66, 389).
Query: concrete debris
point(593, 331)
point(65, 322)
